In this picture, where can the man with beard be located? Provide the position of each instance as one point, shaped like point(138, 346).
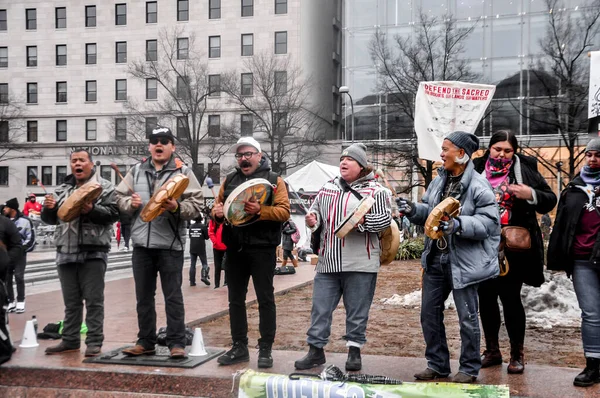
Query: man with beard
point(251, 252)
point(32, 206)
point(158, 245)
point(82, 247)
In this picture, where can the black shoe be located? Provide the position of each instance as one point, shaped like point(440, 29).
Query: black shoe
point(60, 348)
point(314, 358)
point(265, 360)
point(238, 353)
point(590, 375)
point(192, 283)
point(216, 287)
point(354, 361)
point(204, 277)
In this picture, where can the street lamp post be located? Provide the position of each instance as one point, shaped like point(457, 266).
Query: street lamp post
point(346, 90)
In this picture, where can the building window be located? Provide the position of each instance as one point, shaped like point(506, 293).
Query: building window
point(280, 123)
point(151, 89)
point(90, 129)
point(183, 10)
point(3, 93)
point(31, 55)
point(3, 24)
point(60, 17)
point(120, 14)
point(247, 84)
point(214, 9)
point(151, 123)
point(181, 89)
point(280, 42)
point(246, 124)
point(182, 48)
point(121, 52)
point(280, 82)
point(61, 174)
point(106, 173)
point(214, 172)
point(121, 129)
point(32, 93)
point(4, 175)
point(214, 85)
point(32, 131)
point(90, 90)
point(31, 19)
point(47, 175)
point(151, 12)
point(61, 92)
point(32, 175)
point(280, 6)
point(151, 50)
point(91, 55)
point(182, 130)
point(90, 16)
point(3, 130)
point(214, 125)
point(61, 54)
point(247, 8)
point(121, 89)
point(247, 44)
point(214, 47)
point(3, 57)
point(61, 130)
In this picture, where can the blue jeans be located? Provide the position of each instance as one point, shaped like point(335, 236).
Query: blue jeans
point(327, 291)
point(586, 280)
point(437, 285)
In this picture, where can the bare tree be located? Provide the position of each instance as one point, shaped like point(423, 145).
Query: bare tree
point(13, 143)
point(432, 53)
point(274, 100)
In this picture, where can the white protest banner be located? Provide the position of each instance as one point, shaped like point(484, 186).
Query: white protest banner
point(594, 87)
point(444, 107)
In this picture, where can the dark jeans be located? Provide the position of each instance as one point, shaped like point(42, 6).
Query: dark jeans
point(218, 256)
point(79, 282)
point(147, 263)
point(18, 271)
point(258, 263)
point(194, 260)
point(126, 234)
point(508, 288)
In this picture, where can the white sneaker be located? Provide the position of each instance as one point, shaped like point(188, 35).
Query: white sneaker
point(20, 307)
point(12, 306)
point(123, 249)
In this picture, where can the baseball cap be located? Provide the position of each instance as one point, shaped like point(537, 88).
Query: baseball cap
point(246, 141)
point(162, 132)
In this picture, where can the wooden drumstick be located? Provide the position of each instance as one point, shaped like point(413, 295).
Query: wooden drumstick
point(381, 174)
point(211, 185)
point(116, 169)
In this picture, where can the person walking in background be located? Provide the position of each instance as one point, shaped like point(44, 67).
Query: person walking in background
point(125, 222)
point(575, 248)
point(16, 269)
point(32, 205)
point(287, 243)
point(198, 237)
point(546, 225)
point(520, 192)
point(215, 232)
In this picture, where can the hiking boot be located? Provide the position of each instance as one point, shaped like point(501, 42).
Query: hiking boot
point(205, 278)
point(590, 375)
point(92, 351)
point(60, 348)
point(20, 307)
point(265, 360)
point(238, 353)
point(177, 352)
point(314, 358)
point(354, 361)
point(138, 350)
point(12, 306)
point(492, 355)
point(517, 362)
point(463, 378)
point(429, 374)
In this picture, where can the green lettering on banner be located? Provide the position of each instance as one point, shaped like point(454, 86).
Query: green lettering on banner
point(267, 385)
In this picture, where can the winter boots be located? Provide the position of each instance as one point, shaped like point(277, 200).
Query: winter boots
point(492, 355)
point(265, 360)
point(238, 353)
point(314, 358)
point(205, 278)
point(517, 362)
point(590, 375)
point(354, 361)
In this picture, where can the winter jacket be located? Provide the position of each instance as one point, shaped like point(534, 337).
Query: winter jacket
point(168, 230)
point(474, 248)
point(528, 264)
point(215, 232)
point(90, 232)
point(198, 237)
point(10, 245)
point(35, 206)
point(289, 228)
point(570, 208)
point(359, 250)
point(24, 226)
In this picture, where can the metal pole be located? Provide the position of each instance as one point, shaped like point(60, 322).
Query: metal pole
point(352, 108)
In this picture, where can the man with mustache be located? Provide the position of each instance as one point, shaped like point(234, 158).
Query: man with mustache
point(158, 245)
point(82, 247)
point(251, 252)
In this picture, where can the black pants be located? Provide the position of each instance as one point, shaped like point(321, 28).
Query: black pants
point(201, 253)
point(218, 256)
point(508, 288)
point(16, 270)
point(258, 263)
point(126, 234)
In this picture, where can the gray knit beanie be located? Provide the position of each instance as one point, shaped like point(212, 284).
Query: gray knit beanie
point(468, 142)
point(593, 145)
point(357, 152)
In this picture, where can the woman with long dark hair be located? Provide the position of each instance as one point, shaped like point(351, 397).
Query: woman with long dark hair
point(521, 192)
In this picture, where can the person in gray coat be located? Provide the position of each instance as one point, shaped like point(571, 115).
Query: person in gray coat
point(466, 255)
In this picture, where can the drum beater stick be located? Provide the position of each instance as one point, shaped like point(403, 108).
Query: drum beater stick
point(39, 182)
point(116, 169)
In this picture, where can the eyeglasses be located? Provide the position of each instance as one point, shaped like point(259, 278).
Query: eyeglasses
point(162, 140)
point(245, 155)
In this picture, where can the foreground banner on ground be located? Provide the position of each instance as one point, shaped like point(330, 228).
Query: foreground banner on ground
point(267, 385)
point(444, 107)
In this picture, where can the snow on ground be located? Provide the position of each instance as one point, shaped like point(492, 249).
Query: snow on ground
point(552, 304)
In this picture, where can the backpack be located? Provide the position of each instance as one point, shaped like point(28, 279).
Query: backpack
point(285, 270)
point(30, 246)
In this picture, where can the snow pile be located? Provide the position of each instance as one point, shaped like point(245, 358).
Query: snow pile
point(413, 300)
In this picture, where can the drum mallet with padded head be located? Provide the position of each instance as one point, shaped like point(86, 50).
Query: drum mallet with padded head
point(210, 184)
